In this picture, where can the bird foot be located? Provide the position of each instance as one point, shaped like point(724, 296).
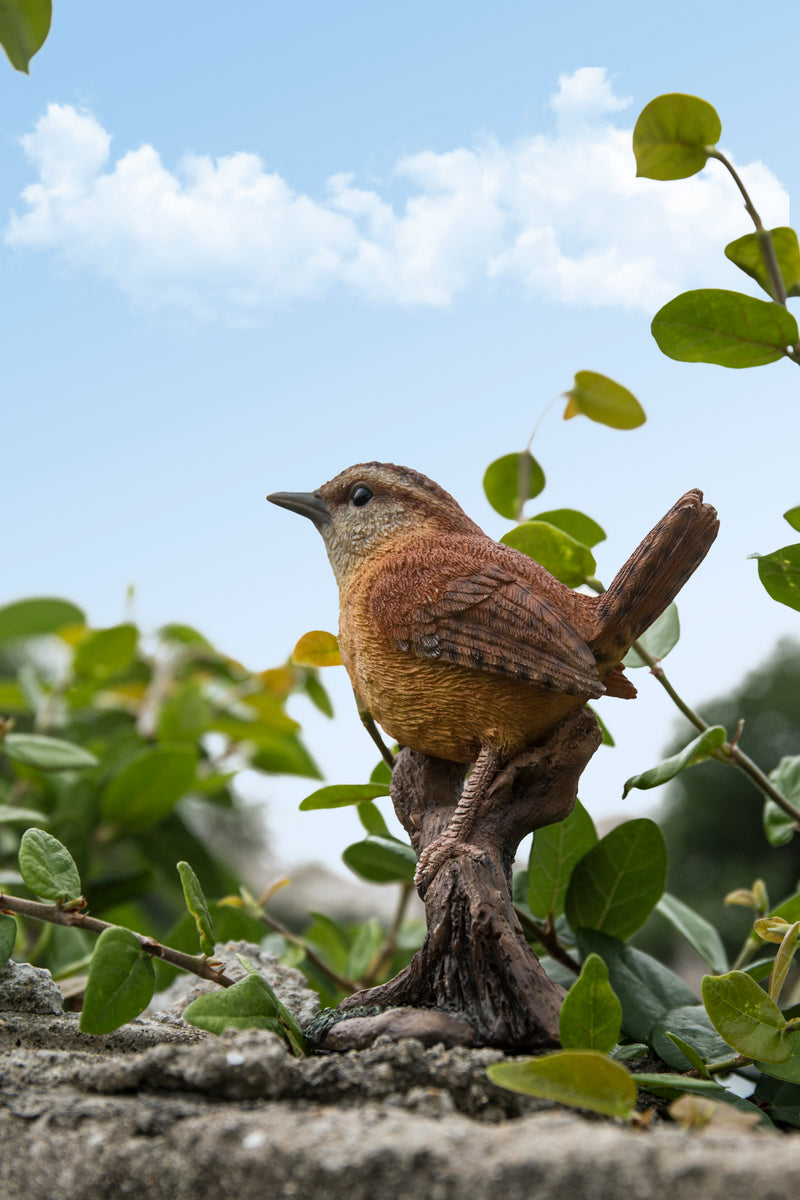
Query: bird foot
point(435, 855)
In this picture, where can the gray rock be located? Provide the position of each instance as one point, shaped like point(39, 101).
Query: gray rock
point(155, 1111)
point(28, 989)
point(288, 984)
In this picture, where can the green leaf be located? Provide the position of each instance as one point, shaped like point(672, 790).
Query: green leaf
point(24, 25)
point(615, 887)
point(8, 936)
point(781, 1101)
point(579, 1078)
point(381, 860)
point(570, 561)
point(607, 738)
point(12, 699)
point(148, 787)
point(673, 135)
point(340, 795)
point(580, 527)
point(317, 649)
point(367, 942)
point(317, 694)
point(746, 1017)
point(106, 652)
point(248, 1004)
point(746, 253)
point(729, 329)
point(790, 1068)
point(697, 751)
point(792, 515)
point(370, 817)
point(198, 907)
point(31, 618)
point(645, 988)
point(692, 1056)
point(48, 867)
point(555, 851)
point(381, 773)
point(292, 1033)
point(331, 938)
point(503, 478)
point(783, 961)
point(591, 1015)
point(658, 640)
point(603, 400)
point(120, 984)
point(690, 1022)
point(698, 932)
point(779, 572)
point(285, 755)
point(46, 753)
point(184, 716)
point(778, 825)
point(677, 1085)
point(10, 815)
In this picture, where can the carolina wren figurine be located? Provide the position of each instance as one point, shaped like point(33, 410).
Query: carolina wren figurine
point(465, 649)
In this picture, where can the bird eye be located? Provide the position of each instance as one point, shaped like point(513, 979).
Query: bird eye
point(360, 495)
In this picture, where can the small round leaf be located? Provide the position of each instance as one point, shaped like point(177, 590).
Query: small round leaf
point(503, 482)
point(603, 400)
point(569, 561)
point(317, 649)
point(48, 867)
point(673, 135)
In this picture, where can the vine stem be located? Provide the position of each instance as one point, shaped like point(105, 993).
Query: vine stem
point(386, 955)
point(729, 753)
point(546, 935)
point(765, 241)
point(55, 914)
point(343, 984)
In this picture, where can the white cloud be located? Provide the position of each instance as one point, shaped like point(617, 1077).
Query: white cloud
point(559, 214)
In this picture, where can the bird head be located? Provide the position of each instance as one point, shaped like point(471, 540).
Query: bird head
point(370, 508)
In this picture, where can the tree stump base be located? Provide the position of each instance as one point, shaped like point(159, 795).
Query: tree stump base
point(475, 979)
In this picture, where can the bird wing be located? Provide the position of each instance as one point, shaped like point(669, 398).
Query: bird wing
point(482, 616)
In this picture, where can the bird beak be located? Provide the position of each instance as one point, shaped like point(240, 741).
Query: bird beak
point(308, 504)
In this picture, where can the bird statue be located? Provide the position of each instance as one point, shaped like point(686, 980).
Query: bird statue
point(465, 649)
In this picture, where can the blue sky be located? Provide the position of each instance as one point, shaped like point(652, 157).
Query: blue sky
point(239, 257)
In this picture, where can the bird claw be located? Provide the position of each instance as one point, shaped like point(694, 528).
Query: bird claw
point(434, 856)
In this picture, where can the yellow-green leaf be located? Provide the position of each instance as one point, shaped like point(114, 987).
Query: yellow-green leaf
point(673, 135)
point(746, 252)
point(317, 649)
point(729, 329)
point(569, 561)
point(603, 400)
point(24, 25)
point(510, 481)
point(579, 1078)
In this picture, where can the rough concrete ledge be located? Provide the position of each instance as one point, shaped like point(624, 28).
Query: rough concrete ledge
point(158, 1110)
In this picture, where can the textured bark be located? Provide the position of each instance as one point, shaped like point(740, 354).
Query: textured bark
point(475, 963)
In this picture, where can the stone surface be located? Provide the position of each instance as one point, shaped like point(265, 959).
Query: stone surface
point(288, 984)
point(156, 1110)
point(24, 988)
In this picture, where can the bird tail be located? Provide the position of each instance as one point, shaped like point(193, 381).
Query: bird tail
point(653, 576)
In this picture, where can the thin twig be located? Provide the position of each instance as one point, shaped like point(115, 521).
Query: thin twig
point(765, 242)
point(344, 985)
point(546, 935)
point(390, 945)
point(730, 752)
point(54, 914)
